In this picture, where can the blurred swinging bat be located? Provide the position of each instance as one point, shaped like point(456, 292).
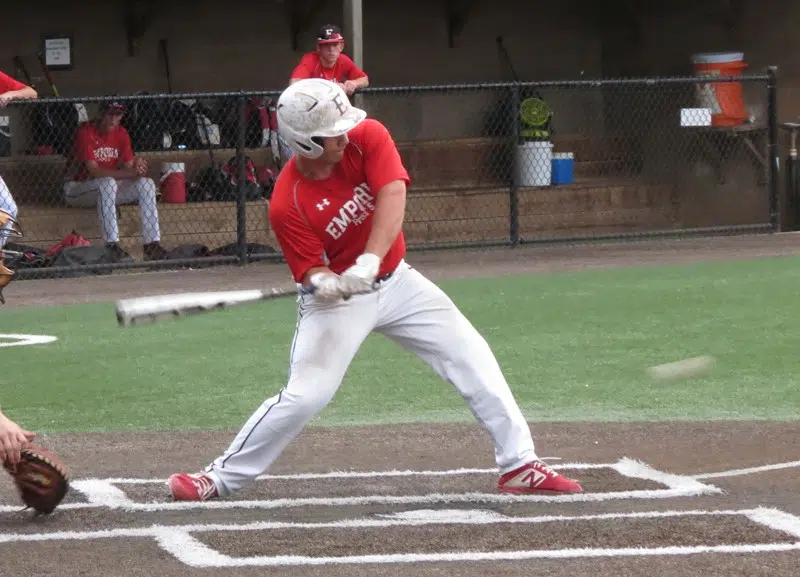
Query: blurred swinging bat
point(152, 309)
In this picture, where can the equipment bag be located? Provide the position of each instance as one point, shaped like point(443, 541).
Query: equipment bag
point(55, 124)
point(261, 124)
point(147, 124)
point(191, 126)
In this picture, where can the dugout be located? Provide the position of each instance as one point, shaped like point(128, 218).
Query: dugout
point(243, 45)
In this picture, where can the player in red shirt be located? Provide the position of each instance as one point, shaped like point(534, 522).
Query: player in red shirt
point(107, 173)
point(10, 89)
point(330, 63)
point(337, 211)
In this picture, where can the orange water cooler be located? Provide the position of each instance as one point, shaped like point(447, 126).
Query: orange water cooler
point(724, 99)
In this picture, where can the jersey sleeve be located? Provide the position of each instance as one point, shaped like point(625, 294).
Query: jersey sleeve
point(382, 162)
point(83, 147)
point(7, 83)
point(350, 69)
point(301, 248)
point(304, 68)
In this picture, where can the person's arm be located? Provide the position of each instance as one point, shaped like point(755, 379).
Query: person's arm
point(303, 250)
point(24, 92)
point(12, 89)
point(96, 171)
point(386, 174)
point(356, 78)
point(387, 221)
point(12, 437)
point(127, 157)
point(303, 70)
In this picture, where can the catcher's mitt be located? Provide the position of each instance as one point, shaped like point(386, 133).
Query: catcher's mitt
point(42, 479)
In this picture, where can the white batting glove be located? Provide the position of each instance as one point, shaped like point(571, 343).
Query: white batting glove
point(326, 287)
point(360, 277)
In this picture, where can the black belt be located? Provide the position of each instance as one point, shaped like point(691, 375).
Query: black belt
point(385, 277)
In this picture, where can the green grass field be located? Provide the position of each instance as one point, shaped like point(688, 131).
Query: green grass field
point(574, 347)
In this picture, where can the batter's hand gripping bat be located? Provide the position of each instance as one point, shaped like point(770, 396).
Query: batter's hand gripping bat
point(152, 309)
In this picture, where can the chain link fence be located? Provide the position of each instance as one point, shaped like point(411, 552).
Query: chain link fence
point(491, 164)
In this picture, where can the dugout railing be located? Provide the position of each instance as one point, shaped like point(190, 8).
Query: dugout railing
point(491, 164)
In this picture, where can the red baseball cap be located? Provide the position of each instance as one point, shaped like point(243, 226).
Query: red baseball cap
point(329, 34)
point(114, 107)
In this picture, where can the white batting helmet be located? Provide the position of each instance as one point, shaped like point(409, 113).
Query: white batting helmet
point(313, 108)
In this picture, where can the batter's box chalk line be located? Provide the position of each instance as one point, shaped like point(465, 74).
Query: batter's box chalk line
point(180, 542)
point(106, 493)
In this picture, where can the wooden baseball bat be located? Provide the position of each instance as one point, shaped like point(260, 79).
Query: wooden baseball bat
point(21, 69)
point(47, 74)
point(152, 309)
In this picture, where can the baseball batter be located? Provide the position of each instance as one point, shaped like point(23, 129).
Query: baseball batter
point(10, 89)
point(337, 211)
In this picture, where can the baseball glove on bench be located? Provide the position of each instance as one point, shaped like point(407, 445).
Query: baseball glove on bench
point(41, 478)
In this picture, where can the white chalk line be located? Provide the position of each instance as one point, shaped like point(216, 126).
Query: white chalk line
point(430, 499)
point(428, 517)
point(776, 520)
point(103, 493)
point(195, 554)
point(178, 540)
point(19, 340)
point(747, 471)
point(453, 472)
point(639, 470)
point(370, 474)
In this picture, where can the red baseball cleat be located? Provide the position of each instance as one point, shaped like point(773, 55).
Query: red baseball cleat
point(536, 477)
point(192, 487)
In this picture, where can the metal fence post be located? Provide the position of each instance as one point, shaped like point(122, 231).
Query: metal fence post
point(513, 200)
point(772, 147)
point(792, 178)
point(241, 205)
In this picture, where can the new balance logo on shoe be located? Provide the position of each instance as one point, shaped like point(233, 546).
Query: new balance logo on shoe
point(192, 487)
point(536, 477)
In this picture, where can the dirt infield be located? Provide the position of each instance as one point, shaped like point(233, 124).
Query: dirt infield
point(661, 499)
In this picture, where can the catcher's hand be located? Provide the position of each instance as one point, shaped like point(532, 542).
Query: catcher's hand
point(41, 478)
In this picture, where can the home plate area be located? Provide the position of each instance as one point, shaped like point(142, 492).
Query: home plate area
point(628, 509)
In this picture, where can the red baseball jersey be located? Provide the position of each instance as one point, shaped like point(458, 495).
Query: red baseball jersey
point(332, 218)
point(311, 67)
point(7, 84)
point(107, 150)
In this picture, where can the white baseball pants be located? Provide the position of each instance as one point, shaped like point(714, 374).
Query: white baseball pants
point(112, 192)
point(8, 205)
point(415, 313)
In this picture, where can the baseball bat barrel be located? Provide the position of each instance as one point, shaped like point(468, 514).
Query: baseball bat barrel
point(152, 309)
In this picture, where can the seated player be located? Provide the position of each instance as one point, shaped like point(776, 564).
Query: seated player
point(107, 174)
